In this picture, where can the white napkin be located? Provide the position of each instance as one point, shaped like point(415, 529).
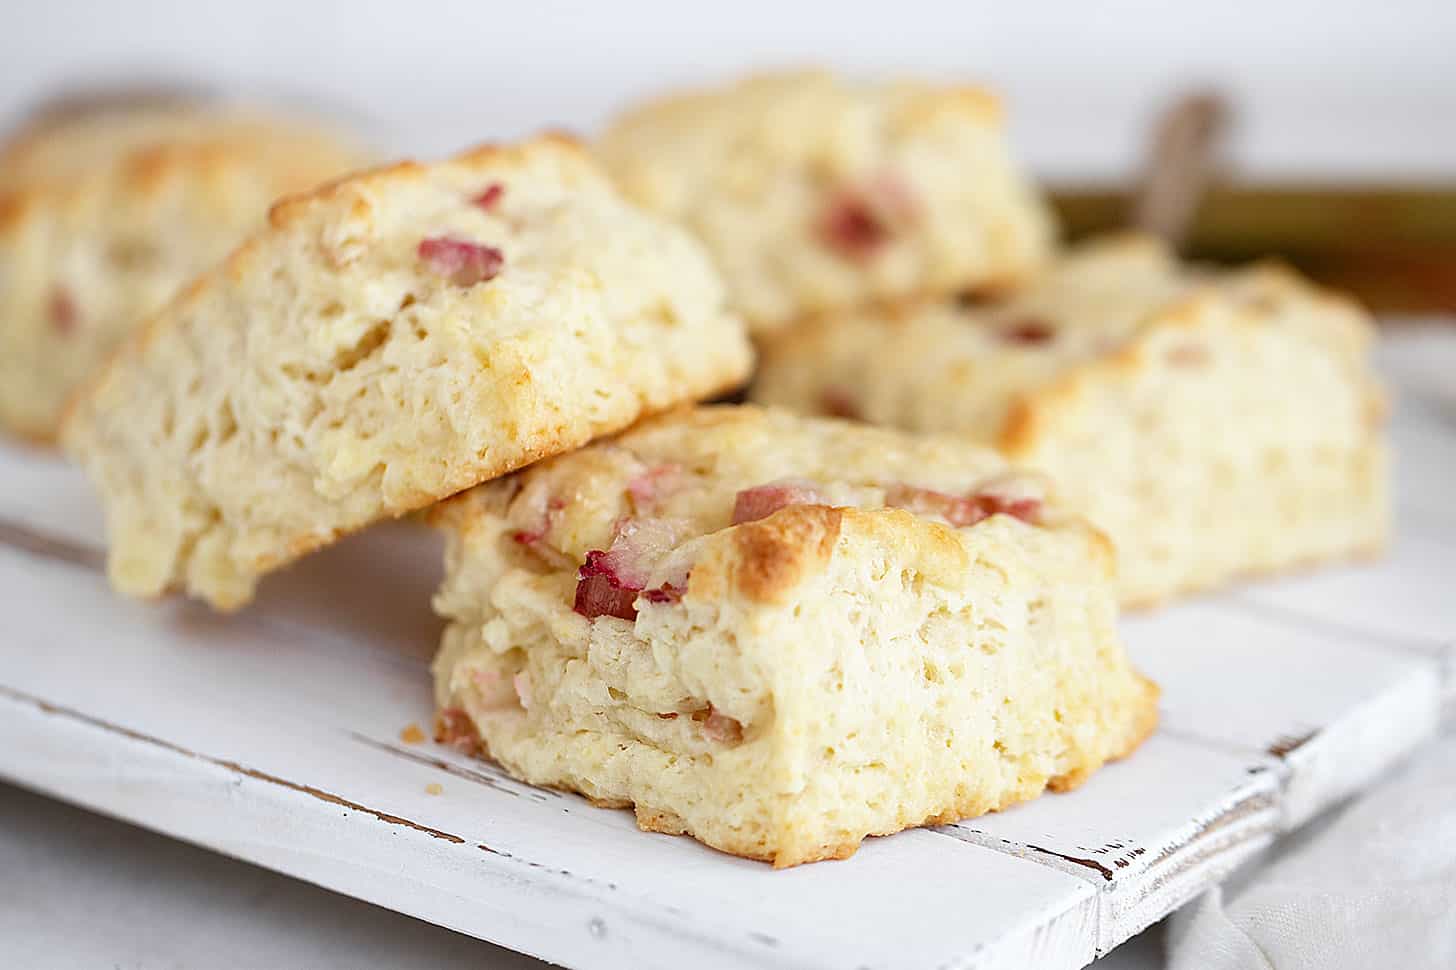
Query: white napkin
point(1373, 886)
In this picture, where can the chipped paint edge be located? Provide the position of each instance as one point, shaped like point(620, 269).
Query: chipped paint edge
point(1347, 754)
point(1134, 896)
point(1215, 846)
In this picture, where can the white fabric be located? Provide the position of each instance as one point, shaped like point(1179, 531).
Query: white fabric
point(1374, 886)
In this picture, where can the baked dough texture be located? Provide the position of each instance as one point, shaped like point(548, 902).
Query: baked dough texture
point(1216, 424)
point(817, 194)
point(815, 631)
point(104, 213)
point(388, 340)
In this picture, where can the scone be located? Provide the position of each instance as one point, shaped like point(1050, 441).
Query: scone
point(1216, 424)
point(781, 634)
point(105, 211)
point(815, 194)
point(387, 341)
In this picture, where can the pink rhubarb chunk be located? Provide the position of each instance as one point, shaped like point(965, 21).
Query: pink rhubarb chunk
point(960, 511)
point(858, 222)
point(838, 402)
point(462, 262)
point(721, 728)
point(63, 312)
point(761, 501)
point(601, 592)
point(609, 582)
point(492, 194)
point(656, 482)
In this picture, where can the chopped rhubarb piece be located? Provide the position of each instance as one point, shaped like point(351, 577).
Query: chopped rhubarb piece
point(492, 194)
point(839, 403)
point(1028, 331)
point(601, 592)
point(609, 581)
point(638, 546)
point(960, 511)
point(859, 221)
point(851, 227)
point(721, 728)
point(654, 483)
point(598, 564)
point(1025, 509)
point(533, 535)
point(761, 501)
point(599, 596)
point(462, 262)
point(955, 509)
point(454, 727)
point(63, 312)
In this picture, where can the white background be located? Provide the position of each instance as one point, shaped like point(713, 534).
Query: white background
point(1325, 88)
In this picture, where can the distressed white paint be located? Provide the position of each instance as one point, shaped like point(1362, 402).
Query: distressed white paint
point(1334, 707)
point(1149, 832)
point(273, 736)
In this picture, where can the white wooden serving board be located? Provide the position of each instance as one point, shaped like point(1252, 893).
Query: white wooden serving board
point(274, 736)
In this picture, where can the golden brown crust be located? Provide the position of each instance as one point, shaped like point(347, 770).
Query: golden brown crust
point(1034, 416)
point(553, 145)
point(1023, 427)
point(776, 554)
point(149, 172)
point(666, 823)
point(969, 100)
point(1145, 722)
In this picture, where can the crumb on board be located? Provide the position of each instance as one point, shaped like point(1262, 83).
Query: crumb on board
point(435, 788)
point(412, 734)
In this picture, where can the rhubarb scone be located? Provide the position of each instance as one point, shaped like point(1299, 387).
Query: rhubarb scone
point(105, 212)
point(781, 634)
point(815, 194)
point(388, 340)
point(1216, 424)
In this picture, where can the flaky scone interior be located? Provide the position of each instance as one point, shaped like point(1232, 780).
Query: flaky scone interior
point(780, 635)
point(1218, 424)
